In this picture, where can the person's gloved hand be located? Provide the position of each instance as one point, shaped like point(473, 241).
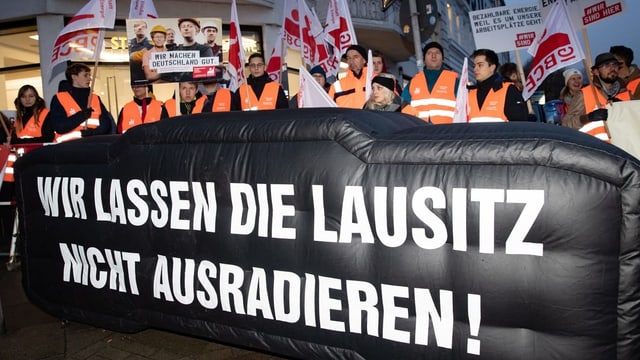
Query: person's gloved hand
point(598, 115)
point(87, 112)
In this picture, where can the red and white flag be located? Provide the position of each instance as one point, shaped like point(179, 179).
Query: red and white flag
point(555, 47)
point(310, 93)
point(274, 67)
point(142, 9)
point(369, 77)
point(461, 111)
point(81, 37)
point(339, 31)
point(236, 51)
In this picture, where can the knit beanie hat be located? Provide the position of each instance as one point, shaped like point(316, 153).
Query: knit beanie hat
point(318, 70)
point(359, 49)
point(388, 82)
point(569, 73)
point(433, 44)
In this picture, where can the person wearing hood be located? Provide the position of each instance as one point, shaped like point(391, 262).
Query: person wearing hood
point(260, 92)
point(493, 99)
point(384, 96)
point(349, 92)
point(75, 112)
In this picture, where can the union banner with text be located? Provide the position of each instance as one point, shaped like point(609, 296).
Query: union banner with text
point(338, 233)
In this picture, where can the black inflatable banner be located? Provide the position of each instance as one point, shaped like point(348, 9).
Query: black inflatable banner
point(333, 233)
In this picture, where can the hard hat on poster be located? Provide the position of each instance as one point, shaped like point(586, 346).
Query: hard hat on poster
point(158, 28)
point(209, 24)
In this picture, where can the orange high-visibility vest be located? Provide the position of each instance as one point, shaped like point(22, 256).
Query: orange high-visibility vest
point(33, 130)
point(439, 104)
point(71, 107)
point(131, 115)
point(633, 85)
point(350, 92)
point(590, 103)
point(222, 100)
point(267, 101)
point(492, 108)
point(170, 105)
point(597, 129)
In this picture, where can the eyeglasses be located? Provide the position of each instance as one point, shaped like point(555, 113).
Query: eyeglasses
point(256, 66)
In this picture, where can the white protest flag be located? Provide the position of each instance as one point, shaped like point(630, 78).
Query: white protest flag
point(290, 24)
point(367, 86)
point(81, 37)
point(555, 47)
point(142, 9)
point(310, 93)
point(274, 67)
point(461, 111)
point(236, 51)
point(339, 31)
point(311, 31)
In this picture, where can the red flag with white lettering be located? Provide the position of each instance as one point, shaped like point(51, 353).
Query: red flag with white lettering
point(555, 47)
point(142, 9)
point(236, 51)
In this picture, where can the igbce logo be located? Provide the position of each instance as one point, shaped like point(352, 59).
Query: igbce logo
point(554, 50)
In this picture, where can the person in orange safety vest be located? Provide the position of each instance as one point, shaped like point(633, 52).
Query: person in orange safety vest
point(260, 92)
point(31, 112)
point(141, 110)
point(191, 101)
point(493, 99)
point(587, 111)
point(75, 112)
point(350, 91)
point(432, 92)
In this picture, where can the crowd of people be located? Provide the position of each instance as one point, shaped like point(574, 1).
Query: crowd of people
point(430, 95)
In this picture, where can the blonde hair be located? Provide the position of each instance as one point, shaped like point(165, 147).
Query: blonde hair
point(389, 95)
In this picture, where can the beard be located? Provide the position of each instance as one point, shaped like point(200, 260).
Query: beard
point(610, 79)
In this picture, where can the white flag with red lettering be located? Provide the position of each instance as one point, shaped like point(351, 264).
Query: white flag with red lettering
point(236, 51)
point(142, 9)
point(310, 93)
point(275, 60)
point(555, 47)
point(339, 31)
point(461, 112)
point(81, 37)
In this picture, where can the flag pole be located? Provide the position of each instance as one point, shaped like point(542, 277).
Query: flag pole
point(522, 78)
point(95, 69)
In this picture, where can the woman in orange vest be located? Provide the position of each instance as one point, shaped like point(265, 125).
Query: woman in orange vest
point(31, 111)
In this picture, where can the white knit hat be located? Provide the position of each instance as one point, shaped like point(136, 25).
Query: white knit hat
point(569, 73)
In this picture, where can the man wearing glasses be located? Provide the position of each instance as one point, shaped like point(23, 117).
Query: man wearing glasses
point(606, 85)
point(260, 92)
point(492, 99)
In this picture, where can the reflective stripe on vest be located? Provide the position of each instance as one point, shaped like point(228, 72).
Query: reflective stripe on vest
point(71, 108)
point(267, 100)
point(32, 129)
point(170, 105)
point(8, 170)
point(597, 129)
point(439, 104)
point(222, 100)
point(492, 108)
point(131, 115)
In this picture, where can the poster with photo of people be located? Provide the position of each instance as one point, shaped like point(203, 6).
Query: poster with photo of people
point(174, 49)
